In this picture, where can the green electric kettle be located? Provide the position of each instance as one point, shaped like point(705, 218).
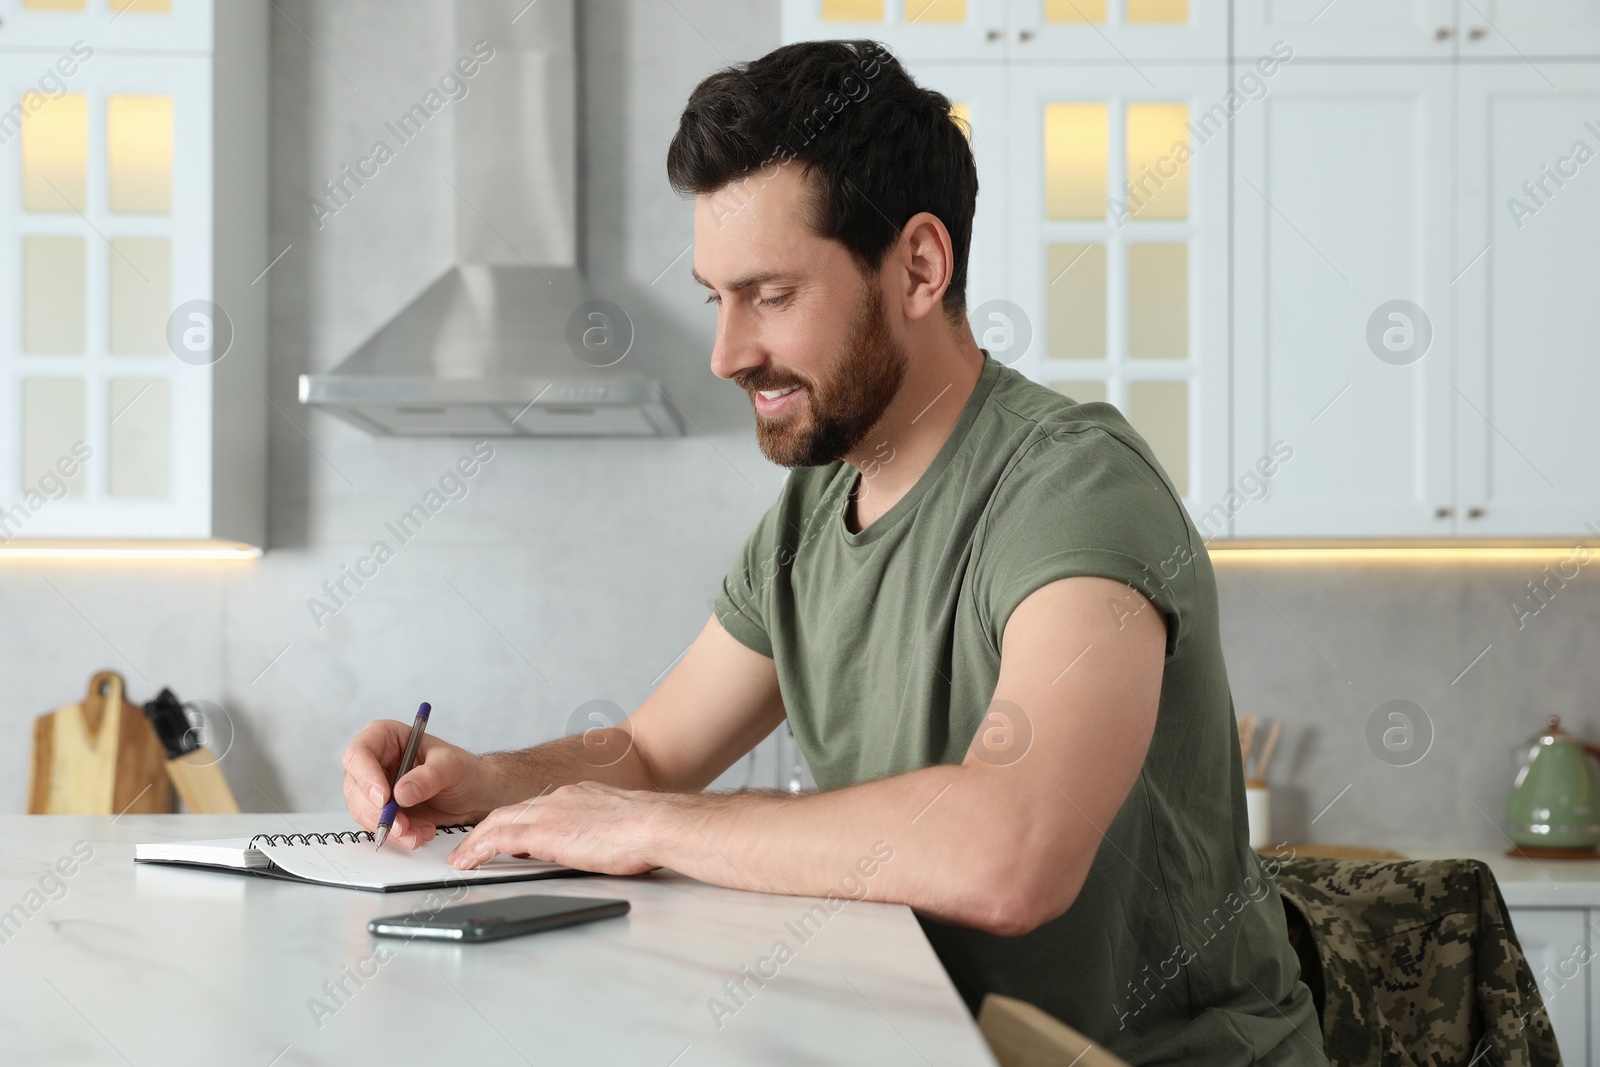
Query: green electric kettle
point(1555, 799)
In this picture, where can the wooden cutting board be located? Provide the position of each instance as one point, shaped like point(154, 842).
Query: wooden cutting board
point(98, 757)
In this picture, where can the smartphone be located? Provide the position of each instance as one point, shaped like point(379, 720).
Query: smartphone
point(491, 920)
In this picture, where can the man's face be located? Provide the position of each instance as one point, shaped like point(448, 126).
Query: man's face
point(799, 326)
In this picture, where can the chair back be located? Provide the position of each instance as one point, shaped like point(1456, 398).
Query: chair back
point(1021, 1035)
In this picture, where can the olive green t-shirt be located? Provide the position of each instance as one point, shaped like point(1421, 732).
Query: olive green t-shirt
point(887, 644)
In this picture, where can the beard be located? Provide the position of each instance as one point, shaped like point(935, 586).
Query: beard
point(840, 408)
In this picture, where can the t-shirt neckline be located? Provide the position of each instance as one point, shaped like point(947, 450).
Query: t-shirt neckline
point(930, 477)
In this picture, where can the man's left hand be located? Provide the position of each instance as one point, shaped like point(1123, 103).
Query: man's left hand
point(588, 827)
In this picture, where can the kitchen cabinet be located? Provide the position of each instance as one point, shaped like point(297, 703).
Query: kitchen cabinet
point(1117, 251)
point(109, 25)
point(1120, 33)
point(1524, 30)
point(132, 384)
point(1341, 209)
point(1348, 29)
point(1460, 192)
point(966, 30)
point(1528, 30)
point(1102, 289)
point(1558, 946)
point(1528, 196)
point(1415, 342)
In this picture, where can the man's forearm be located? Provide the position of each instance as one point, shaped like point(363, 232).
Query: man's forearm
point(939, 839)
point(970, 844)
point(607, 756)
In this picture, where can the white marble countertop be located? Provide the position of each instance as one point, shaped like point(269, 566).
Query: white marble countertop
point(121, 963)
point(1532, 883)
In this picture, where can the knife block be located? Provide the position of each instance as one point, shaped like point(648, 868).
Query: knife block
point(200, 783)
point(98, 757)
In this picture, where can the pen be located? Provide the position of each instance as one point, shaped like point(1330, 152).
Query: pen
point(386, 819)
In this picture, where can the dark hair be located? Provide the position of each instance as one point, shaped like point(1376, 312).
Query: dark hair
point(879, 147)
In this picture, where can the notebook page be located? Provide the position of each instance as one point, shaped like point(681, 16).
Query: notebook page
point(358, 864)
point(225, 852)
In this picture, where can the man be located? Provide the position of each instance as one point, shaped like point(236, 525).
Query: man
point(980, 605)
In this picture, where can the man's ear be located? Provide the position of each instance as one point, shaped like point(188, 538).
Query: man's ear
point(927, 260)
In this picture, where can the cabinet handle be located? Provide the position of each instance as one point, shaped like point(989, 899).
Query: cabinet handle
point(1442, 33)
point(1474, 513)
point(993, 35)
point(1476, 33)
point(1442, 513)
point(1024, 35)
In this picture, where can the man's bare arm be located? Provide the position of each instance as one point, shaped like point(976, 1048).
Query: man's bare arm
point(996, 843)
point(716, 704)
point(714, 707)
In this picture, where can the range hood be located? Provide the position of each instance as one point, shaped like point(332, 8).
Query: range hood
point(511, 340)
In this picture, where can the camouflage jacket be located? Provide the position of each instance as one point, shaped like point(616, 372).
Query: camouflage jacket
point(1414, 962)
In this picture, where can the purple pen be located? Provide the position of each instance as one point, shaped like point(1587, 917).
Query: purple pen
point(386, 819)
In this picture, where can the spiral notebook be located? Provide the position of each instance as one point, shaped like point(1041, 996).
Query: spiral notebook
point(346, 858)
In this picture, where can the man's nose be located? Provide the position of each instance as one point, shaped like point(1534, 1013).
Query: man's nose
point(736, 349)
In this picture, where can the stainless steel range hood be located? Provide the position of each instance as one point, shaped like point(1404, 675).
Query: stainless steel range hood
point(511, 340)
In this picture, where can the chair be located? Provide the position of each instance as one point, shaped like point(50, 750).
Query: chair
point(1021, 1035)
point(1413, 962)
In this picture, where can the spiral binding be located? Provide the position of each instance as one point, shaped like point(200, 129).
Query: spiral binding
point(335, 837)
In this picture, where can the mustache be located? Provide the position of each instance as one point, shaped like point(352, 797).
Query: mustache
point(767, 379)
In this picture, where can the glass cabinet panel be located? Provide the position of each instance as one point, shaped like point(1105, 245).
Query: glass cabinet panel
point(140, 271)
point(1075, 12)
point(1160, 412)
point(1076, 300)
point(53, 301)
point(920, 11)
point(961, 115)
point(55, 152)
point(1081, 391)
point(1158, 300)
point(852, 10)
point(1076, 152)
point(1158, 153)
point(139, 154)
point(53, 421)
point(1158, 11)
point(140, 436)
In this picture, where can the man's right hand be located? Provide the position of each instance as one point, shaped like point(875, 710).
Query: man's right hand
point(448, 785)
point(713, 707)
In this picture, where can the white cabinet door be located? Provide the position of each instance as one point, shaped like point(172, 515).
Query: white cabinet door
point(977, 93)
point(1342, 212)
point(1528, 318)
point(1504, 282)
point(1123, 32)
point(1118, 250)
point(1347, 29)
point(107, 25)
point(1556, 942)
point(108, 230)
point(913, 29)
point(1529, 29)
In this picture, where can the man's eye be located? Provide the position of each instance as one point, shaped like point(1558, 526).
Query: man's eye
point(712, 298)
point(773, 301)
